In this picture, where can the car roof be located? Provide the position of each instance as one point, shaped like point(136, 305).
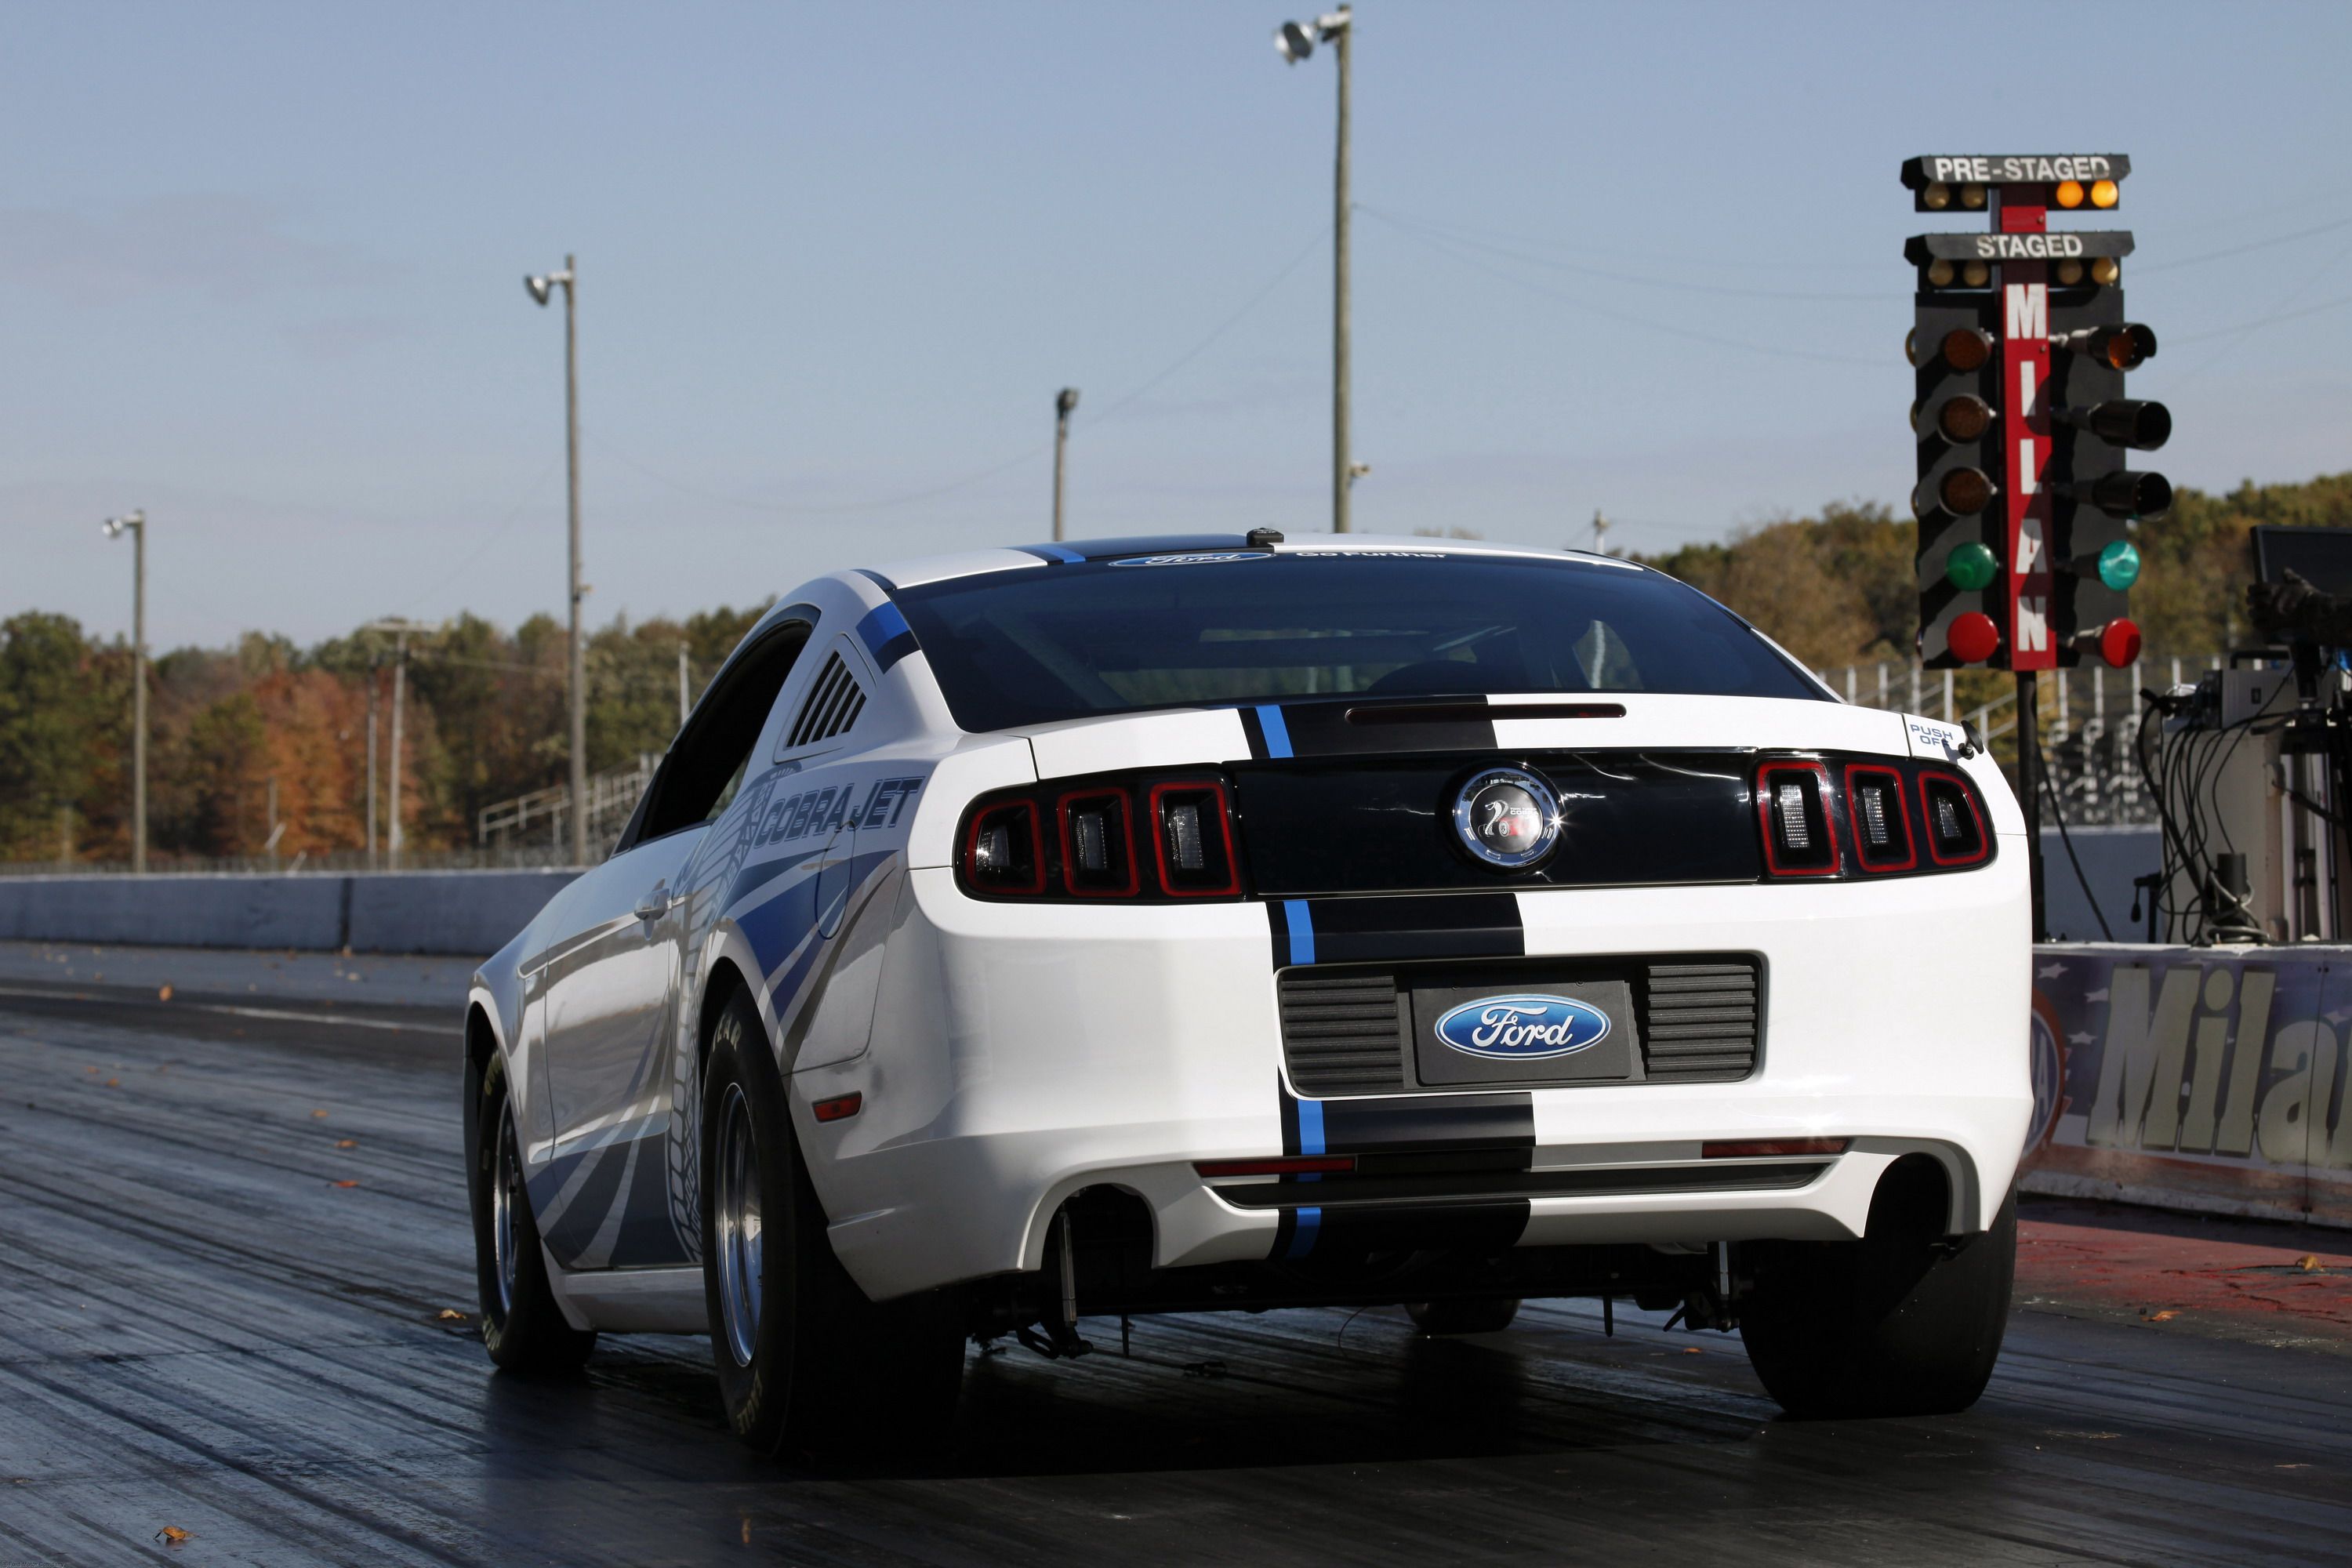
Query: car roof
point(922, 570)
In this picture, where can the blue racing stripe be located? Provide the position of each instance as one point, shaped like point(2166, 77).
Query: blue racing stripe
point(1302, 930)
point(1302, 1241)
point(1310, 1127)
point(886, 634)
point(1057, 552)
point(1277, 733)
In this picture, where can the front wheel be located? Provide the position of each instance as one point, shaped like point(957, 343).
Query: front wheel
point(1902, 1322)
point(522, 1327)
point(805, 1363)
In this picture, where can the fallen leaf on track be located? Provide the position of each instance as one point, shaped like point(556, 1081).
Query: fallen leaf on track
point(1693, 1349)
point(343, 1184)
point(451, 1315)
point(163, 994)
point(347, 1142)
point(114, 1083)
point(2164, 1316)
point(320, 1115)
point(171, 1535)
point(2309, 1263)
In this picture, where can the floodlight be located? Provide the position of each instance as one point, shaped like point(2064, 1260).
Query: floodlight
point(1295, 41)
point(539, 287)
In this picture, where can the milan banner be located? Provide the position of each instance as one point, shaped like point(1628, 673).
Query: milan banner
point(2206, 1079)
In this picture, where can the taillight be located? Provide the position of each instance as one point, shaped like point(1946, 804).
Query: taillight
point(1792, 802)
point(1097, 843)
point(1146, 839)
point(1956, 830)
point(1881, 827)
point(1001, 851)
point(1195, 841)
point(1869, 819)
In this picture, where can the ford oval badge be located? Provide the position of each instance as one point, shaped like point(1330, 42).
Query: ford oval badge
point(1508, 817)
point(1522, 1028)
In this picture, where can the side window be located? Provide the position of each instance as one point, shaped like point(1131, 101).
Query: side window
point(706, 765)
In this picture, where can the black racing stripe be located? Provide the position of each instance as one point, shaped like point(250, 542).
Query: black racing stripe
point(1412, 1121)
point(1285, 1232)
point(1289, 1116)
point(1279, 925)
point(1255, 728)
point(1436, 925)
point(1413, 1227)
point(1325, 729)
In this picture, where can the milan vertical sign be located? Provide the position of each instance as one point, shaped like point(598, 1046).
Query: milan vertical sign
point(2025, 442)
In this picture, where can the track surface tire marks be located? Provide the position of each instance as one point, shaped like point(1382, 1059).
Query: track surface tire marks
point(198, 1328)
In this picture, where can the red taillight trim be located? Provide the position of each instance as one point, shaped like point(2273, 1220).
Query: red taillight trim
point(1927, 819)
point(1036, 849)
point(1225, 830)
point(840, 1108)
point(1769, 1148)
point(1764, 820)
point(1284, 1165)
point(1902, 816)
point(1125, 799)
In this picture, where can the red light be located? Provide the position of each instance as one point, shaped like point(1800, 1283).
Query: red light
point(840, 1108)
point(2119, 642)
point(1287, 1165)
point(1769, 1148)
point(1973, 638)
point(1002, 850)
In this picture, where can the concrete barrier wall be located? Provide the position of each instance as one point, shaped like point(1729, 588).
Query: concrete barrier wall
point(465, 914)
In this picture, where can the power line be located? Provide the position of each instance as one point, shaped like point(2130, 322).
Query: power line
point(1109, 413)
point(1637, 279)
point(1716, 339)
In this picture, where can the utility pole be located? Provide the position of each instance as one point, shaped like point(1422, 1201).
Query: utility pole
point(375, 684)
point(401, 631)
point(135, 524)
point(65, 837)
point(683, 704)
point(1065, 401)
point(539, 288)
point(1296, 40)
point(1600, 532)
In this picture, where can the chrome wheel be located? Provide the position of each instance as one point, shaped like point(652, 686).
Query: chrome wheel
point(735, 1216)
point(506, 1201)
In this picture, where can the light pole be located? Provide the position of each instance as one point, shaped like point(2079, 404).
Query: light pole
point(577, 678)
point(1296, 40)
point(135, 524)
point(1064, 402)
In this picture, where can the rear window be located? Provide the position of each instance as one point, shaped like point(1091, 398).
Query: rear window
point(1073, 642)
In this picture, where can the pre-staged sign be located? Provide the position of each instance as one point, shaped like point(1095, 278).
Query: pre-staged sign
point(2209, 1080)
point(2014, 168)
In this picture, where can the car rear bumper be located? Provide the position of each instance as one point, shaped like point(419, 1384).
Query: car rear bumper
point(1022, 1052)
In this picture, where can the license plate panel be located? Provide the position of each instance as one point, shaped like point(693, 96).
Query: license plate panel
point(1520, 1029)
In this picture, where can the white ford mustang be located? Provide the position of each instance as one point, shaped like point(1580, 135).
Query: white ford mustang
point(1212, 923)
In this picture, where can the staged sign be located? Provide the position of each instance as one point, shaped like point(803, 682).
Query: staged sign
point(2209, 1080)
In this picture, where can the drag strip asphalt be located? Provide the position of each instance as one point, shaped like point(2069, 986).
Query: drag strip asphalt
point(231, 1227)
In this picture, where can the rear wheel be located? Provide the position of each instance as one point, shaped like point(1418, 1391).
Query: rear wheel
point(805, 1363)
point(1902, 1322)
point(1468, 1315)
point(522, 1328)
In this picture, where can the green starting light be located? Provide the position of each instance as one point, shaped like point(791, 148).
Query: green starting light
point(2119, 564)
point(1972, 568)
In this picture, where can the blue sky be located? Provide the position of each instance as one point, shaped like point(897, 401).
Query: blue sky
point(261, 274)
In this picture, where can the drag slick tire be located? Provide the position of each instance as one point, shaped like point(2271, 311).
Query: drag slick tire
point(807, 1364)
point(1906, 1321)
point(1468, 1315)
point(522, 1328)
